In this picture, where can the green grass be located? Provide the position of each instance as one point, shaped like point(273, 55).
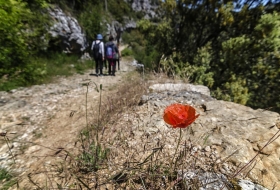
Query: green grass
point(91, 158)
point(44, 70)
point(6, 179)
point(4, 174)
point(65, 65)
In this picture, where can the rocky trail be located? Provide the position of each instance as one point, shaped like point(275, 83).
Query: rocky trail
point(42, 119)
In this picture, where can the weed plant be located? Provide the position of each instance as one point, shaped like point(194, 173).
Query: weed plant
point(4, 174)
point(6, 180)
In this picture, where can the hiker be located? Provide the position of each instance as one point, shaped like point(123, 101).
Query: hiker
point(105, 61)
point(112, 53)
point(119, 33)
point(119, 56)
point(97, 49)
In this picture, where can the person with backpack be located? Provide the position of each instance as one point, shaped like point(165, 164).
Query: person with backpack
point(105, 60)
point(118, 57)
point(97, 49)
point(112, 53)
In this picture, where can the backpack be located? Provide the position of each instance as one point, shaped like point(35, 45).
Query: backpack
point(95, 50)
point(110, 51)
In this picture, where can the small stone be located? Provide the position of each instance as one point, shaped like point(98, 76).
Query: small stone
point(194, 149)
point(248, 185)
point(225, 166)
point(207, 154)
point(207, 149)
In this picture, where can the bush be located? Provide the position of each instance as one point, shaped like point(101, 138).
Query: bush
point(119, 9)
point(127, 52)
point(142, 51)
point(33, 72)
point(21, 33)
point(90, 20)
point(42, 70)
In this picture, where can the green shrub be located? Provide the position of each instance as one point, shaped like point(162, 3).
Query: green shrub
point(90, 20)
point(133, 37)
point(143, 52)
point(33, 72)
point(42, 70)
point(66, 65)
point(21, 39)
point(119, 9)
point(127, 52)
point(81, 67)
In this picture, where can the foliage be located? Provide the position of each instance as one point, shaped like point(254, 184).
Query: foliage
point(4, 174)
point(136, 43)
point(6, 179)
point(249, 65)
point(126, 52)
point(230, 47)
point(140, 41)
point(21, 31)
point(45, 69)
point(90, 20)
point(91, 158)
point(118, 8)
point(35, 4)
point(74, 6)
point(265, 72)
point(197, 73)
point(12, 38)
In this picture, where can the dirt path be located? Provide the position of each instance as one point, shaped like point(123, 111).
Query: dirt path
point(41, 120)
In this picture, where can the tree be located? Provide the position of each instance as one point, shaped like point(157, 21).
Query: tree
point(20, 35)
point(90, 20)
point(230, 46)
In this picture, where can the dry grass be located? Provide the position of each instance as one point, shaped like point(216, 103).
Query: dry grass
point(111, 157)
point(137, 158)
point(115, 151)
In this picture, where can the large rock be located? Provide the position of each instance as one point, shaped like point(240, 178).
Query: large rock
point(129, 24)
point(67, 30)
point(242, 132)
point(145, 6)
point(238, 133)
point(180, 87)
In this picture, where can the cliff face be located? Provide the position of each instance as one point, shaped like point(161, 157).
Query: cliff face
point(67, 29)
point(71, 37)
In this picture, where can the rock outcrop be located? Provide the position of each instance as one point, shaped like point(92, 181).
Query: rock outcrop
point(238, 133)
point(67, 31)
point(146, 6)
